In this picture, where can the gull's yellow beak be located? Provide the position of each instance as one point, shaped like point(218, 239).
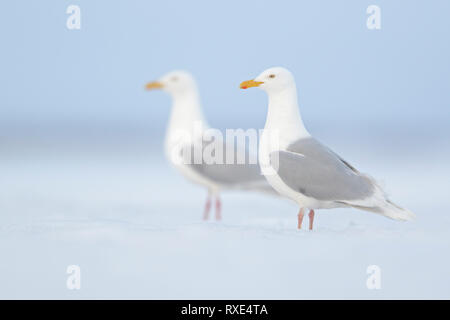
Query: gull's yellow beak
point(154, 85)
point(250, 83)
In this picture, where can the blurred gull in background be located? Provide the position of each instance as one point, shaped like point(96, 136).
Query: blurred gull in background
point(187, 137)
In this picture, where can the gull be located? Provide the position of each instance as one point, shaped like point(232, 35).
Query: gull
point(187, 137)
point(304, 170)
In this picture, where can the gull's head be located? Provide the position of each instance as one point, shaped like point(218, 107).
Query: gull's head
point(175, 83)
point(271, 80)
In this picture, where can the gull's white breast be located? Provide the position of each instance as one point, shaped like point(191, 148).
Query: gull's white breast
point(270, 172)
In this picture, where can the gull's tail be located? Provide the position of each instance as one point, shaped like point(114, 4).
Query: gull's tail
point(389, 209)
point(393, 211)
point(380, 203)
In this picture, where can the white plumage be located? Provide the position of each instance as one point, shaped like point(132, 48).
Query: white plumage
point(186, 132)
point(303, 169)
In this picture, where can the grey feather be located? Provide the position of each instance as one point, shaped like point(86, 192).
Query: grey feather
point(233, 175)
point(315, 171)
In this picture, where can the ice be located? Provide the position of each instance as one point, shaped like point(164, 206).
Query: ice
point(134, 227)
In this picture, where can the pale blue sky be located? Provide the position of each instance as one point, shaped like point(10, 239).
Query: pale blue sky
point(56, 80)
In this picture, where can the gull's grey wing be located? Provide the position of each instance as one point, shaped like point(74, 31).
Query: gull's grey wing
point(232, 174)
point(314, 170)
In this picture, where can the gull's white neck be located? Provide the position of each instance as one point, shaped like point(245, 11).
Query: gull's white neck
point(186, 116)
point(283, 116)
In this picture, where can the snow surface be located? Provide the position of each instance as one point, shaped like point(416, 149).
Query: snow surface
point(134, 227)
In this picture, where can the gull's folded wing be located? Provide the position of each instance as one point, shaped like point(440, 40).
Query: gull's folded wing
point(315, 171)
point(240, 175)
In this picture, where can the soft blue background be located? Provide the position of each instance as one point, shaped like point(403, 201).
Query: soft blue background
point(88, 83)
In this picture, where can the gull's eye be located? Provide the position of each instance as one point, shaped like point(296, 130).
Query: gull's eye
point(174, 79)
point(271, 76)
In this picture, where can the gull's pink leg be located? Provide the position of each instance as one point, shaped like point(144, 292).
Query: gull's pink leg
point(218, 208)
point(311, 219)
point(300, 215)
point(207, 207)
